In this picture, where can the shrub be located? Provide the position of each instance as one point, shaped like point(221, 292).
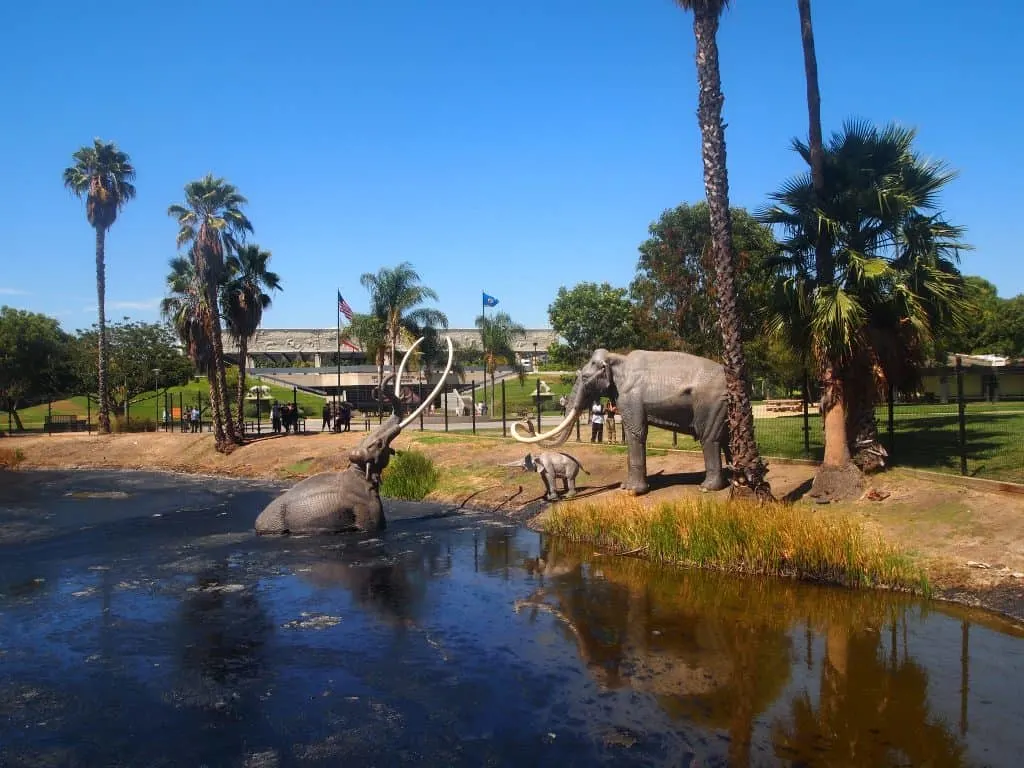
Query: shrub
point(410, 475)
point(778, 539)
point(137, 424)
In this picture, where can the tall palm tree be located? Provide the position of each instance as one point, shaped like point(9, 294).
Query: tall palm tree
point(498, 334)
point(212, 223)
point(750, 470)
point(895, 281)
point(103, 175)
point(396, 297)
point(243, 301)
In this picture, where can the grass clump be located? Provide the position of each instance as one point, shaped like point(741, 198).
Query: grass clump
point(775, 540)
point(9, 458)
point(410, 475)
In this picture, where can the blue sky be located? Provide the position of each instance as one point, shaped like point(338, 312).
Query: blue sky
point(500, 147)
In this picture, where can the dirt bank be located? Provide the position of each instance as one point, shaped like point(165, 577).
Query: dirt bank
point(970, 540)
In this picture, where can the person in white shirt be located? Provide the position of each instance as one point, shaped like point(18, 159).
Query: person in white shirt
point(597, 422)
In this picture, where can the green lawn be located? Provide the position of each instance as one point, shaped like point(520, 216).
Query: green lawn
point(925, 437)
point(146, 405)
point(521, 396)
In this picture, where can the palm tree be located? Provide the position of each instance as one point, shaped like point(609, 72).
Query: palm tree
point(895, 281)
point(498, 334)
point(186, 309)
point(750, 470)
point(212, 223)
point(243, 301)
point(102, 174)
point(395, 299)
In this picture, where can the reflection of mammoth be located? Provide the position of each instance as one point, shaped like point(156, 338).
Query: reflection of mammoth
point(674, 390)
point(388, 589)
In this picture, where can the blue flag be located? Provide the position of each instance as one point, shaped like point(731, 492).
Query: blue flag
point(490, 301)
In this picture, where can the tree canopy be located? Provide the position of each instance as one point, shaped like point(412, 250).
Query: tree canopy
point(34, 358)
point(674, 287)
point(590, 316)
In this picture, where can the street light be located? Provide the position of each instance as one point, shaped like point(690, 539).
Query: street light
point(156, 376)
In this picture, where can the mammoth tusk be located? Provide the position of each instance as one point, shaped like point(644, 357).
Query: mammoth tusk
point(401, 368)
point(440, 384)
point(563, 427)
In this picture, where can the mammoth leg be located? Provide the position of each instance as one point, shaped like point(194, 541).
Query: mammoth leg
point(716, 439)
point(549, 485)
point(369, 512)
point(570, 483)
point(635, 435)
point(714, 480)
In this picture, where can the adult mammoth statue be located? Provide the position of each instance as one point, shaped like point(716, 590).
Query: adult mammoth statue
point(337, 502)
point(677, 391)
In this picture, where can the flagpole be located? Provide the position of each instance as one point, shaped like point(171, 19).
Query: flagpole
point(483, 339)
point(337, 360)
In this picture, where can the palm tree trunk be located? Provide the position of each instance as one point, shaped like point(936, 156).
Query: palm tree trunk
point(101, 355)
point(220, 376)
point(746, 460)
point(216, 412)
point(834, 409)
point(243, 348)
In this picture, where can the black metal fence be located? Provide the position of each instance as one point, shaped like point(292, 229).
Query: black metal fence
point(959, 422)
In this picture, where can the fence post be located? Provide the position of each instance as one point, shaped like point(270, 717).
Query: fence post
point(961, 408)
point(445, 409)
point(88, 415)
point(675, 439)
point(181, 411)
point(199, 399)
point(421, 404)
point(473, 409)
point(539, 430)
point(892, 423)
point(504, 433)
point(258, 418)
point(49, 417)
point(807, 417)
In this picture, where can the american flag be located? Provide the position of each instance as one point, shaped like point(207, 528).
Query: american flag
point(344, 308)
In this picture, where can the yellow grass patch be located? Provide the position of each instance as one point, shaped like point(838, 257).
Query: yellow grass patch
point(775, 539)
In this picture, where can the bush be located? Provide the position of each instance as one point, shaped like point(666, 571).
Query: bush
point(137, 424)
point(410, 475)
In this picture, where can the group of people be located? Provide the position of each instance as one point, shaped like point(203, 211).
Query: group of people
point(602, 415)
point(284, 416)
point(338, 416)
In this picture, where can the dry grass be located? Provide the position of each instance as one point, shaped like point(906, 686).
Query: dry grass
point(10, 458)
point(777, 540)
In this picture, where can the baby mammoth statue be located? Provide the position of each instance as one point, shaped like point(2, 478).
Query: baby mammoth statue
point(552, 465)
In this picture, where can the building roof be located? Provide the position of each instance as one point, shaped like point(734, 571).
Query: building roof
point(269, 341)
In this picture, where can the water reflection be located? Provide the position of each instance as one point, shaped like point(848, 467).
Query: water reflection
point(718, 652)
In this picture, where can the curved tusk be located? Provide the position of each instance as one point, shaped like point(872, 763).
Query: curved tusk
point(437, 388)
point(563, 427)
point(401, 368)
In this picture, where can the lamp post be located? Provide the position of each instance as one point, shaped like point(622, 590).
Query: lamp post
point(535, 357)
point(156, 396)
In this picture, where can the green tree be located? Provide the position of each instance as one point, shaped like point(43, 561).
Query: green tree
point(895, 283)
point(135, 350)
point(674, 288)
point(34, 359)
point(185, 310)
point(103, 175)
point(244, 300)
point(396, 299)
point(749, 469)
point(592, 316)
point(498, 334)
point(212, 224)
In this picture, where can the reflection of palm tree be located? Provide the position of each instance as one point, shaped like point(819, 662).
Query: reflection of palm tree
point(867, 710)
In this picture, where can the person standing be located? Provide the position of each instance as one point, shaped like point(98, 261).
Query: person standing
point(326, 418)
point(610, 411)
point(597, 422)
point(275, 417)
point(195, 418)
